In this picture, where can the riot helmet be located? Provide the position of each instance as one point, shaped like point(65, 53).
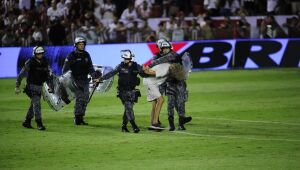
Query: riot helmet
point(127, 54)
point(38, 50)
point(79, 40)
point(163, 43)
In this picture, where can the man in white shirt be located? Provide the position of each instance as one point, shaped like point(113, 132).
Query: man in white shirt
point(53, 12)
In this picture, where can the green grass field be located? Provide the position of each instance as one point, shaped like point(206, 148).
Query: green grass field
point(242, 119)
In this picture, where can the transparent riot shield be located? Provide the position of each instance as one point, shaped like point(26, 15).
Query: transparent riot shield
point(187, 64)
point(64, 89)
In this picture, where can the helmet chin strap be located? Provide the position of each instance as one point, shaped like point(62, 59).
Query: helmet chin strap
point(127, 59)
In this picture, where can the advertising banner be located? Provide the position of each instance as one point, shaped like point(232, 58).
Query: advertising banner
point(206, 55)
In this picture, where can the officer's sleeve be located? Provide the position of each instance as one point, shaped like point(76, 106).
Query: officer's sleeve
point(50, 73)
point(91, 67)
point(165, 59)
point(66, 66)
point(141, 71)
point(111, 73)
point(22, 73)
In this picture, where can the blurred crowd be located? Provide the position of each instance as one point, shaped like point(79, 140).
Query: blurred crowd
point(58, 22)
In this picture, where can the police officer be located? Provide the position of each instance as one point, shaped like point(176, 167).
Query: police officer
point(127, 71)
point(38, 71)
point(175, 86)
point(80, 63)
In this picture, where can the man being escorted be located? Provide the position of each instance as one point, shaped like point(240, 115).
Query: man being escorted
point(176, 85)
point(38, 71)
point(80, 63)
point(127, 71)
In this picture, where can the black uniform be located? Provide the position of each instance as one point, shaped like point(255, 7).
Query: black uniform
point(38, 72)
point(127, 93)
point(175, 90)
point(80, 64)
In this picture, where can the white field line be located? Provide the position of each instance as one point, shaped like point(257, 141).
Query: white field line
point(247, 121)
point(235, 137)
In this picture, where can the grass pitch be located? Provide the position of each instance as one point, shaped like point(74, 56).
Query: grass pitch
point(246, 119)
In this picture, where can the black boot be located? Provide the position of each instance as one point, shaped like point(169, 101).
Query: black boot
point(171, 123)
point(124, 126)
point(187, 119)
point(77, 120)
point(181, 123)
point(27, 123)
point(40, 125)
point(82, 122)
point(135, 128)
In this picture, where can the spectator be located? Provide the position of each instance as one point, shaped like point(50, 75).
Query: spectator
point(91, 33)
point(140, 3)
point(74, 11)
point(23, 34)
point(108, 10)
point(225, 30)
point(293, 27)
point(98, 9)
point(121, 32)
point(151, 37)
point(136, 33)
point(66, 9)
point(211, 7)
point(71, 33)
point(194, 31)
point(112, 30)
point(144, 11)
point(162, 32)
point(128, 16)
point(269, 28)
point(235, 6)
point(61, 4)
point(171, 24)
point(173, 7)
point(37, 36)
point(243, 28)
point(102, 33)
point(207, 30)
point(10, 20)
point(147, 33)
point(178, 34)
point(54, 12)
point(8, 39)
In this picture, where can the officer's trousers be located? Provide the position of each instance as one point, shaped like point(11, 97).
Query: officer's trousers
point(177, 96)
point(81, 97)
point(35, 92)
point(128, 97)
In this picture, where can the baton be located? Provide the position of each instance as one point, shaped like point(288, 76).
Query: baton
point(95, 87)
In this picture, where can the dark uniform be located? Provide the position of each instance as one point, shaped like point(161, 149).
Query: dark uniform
point(175, 90)
point(38, 72)
point(80, 64)
point(127, 93)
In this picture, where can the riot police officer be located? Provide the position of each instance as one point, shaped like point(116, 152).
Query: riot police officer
point(127, 71)
point(80, 63)
point(175, 86)
point(38, 71)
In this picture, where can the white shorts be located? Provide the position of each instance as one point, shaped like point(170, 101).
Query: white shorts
point(152, 92)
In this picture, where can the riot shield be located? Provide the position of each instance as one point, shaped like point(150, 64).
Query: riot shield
point(64, 89)
point(187, 64)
